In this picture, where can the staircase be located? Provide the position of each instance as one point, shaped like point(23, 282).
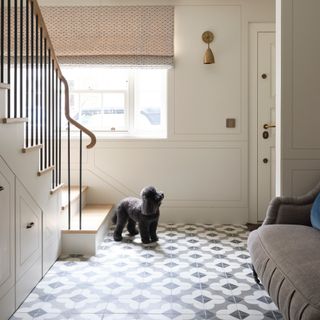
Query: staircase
point(36, 97)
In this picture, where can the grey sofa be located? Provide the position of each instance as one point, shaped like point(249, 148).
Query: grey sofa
point(285, 253)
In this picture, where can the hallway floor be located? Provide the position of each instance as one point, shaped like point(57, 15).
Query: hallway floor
point(194, 272)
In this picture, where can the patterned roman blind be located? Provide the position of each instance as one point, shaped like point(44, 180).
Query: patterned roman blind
point(113, 35)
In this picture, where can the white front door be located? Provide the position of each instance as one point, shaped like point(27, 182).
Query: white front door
point(266, 121)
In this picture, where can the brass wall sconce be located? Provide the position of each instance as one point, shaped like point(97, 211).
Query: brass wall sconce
point(208, 37)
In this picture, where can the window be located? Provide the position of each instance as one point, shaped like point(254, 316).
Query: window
point(119, 100)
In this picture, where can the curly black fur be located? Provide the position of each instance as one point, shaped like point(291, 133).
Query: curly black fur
point(144, 211)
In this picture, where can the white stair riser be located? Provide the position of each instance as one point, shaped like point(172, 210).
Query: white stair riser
point(82, 243)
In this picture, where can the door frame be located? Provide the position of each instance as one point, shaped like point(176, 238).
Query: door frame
point(254, 30)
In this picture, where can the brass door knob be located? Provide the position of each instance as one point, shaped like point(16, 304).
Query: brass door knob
point(268, 126)
point(265, 160)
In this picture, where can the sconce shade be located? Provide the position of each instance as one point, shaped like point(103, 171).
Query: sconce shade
point(208, 57)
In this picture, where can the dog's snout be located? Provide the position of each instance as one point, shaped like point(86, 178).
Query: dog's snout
point(160, 195)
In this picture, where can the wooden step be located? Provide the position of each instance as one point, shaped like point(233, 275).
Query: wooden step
point(74, 195)
point(44, 171)
point(93, 217)
point(5, 86)
point(95, 224)
point(13, 120)
point(32, 148)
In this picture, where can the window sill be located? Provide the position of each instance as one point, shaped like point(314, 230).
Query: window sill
point(74, 135)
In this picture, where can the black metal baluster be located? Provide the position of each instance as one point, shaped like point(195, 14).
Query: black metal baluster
point(21, 59)
point(53, 123)
point(9, 59)
point(27, 74)
point(56, 126)
point(60, 129)
point(52, 119)
point(32, 76)
point(2, 42)
point(37, 82)
point(15, 66)
point(45, 105)
point(49, 108)
point(80, 183)
point(41, 97)
point(69, 179)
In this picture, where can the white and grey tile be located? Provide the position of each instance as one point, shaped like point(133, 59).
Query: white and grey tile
point(196, 272)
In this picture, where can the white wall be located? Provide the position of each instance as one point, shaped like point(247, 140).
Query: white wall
point(203, 166)
point(300, 95)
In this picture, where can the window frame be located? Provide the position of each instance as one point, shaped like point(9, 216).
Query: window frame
point(130, 109)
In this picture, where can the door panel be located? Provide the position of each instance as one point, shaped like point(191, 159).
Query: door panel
point(28, 230)
point(28, 243)
point(6, 228)
point(7, 247)
point(266, 120)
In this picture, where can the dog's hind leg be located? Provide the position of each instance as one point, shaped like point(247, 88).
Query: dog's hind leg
point(122, 219)
point(132, 227)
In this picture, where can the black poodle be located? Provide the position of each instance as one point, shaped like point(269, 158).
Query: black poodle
point(143, 211)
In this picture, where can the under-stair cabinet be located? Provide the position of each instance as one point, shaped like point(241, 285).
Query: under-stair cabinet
point(20, 242)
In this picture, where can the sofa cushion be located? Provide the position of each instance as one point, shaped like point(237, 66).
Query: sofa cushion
point(315, 213)
point(287, 260)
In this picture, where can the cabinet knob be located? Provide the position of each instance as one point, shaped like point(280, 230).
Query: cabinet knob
point(1, 188)
point(30, 225)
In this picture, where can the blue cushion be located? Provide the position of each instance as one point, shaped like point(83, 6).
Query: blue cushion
point(315, 213)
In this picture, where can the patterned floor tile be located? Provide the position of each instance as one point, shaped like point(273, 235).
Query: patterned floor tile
point(122, 306)
point(198, 271)
point(54, 316)
point(127, 316)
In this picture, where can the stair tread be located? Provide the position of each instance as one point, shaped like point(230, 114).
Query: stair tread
point(74, 194)
point(46, 170)
point(13, 120)
point(32, 148)
point(4, 85)
point(93, 216)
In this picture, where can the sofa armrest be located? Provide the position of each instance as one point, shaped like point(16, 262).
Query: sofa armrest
point(292, 210)
point(286, 211)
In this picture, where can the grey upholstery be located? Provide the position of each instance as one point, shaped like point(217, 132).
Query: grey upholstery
point(285, 253)
point(292, 210)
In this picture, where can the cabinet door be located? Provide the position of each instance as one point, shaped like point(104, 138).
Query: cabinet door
point(7, 249)
point(28, 243)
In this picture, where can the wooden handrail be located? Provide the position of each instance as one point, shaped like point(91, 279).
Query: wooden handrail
point(37, 11)
point(74, 122)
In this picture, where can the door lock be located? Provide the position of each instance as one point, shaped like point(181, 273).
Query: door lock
point(265, 134)
point(264, 76)
point(265, 160)
point(1, 188)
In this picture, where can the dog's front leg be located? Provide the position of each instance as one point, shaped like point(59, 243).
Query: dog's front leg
point(144, 232)
point(153, 231)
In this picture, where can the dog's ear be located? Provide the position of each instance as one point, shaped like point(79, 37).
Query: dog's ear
point(142, 193)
